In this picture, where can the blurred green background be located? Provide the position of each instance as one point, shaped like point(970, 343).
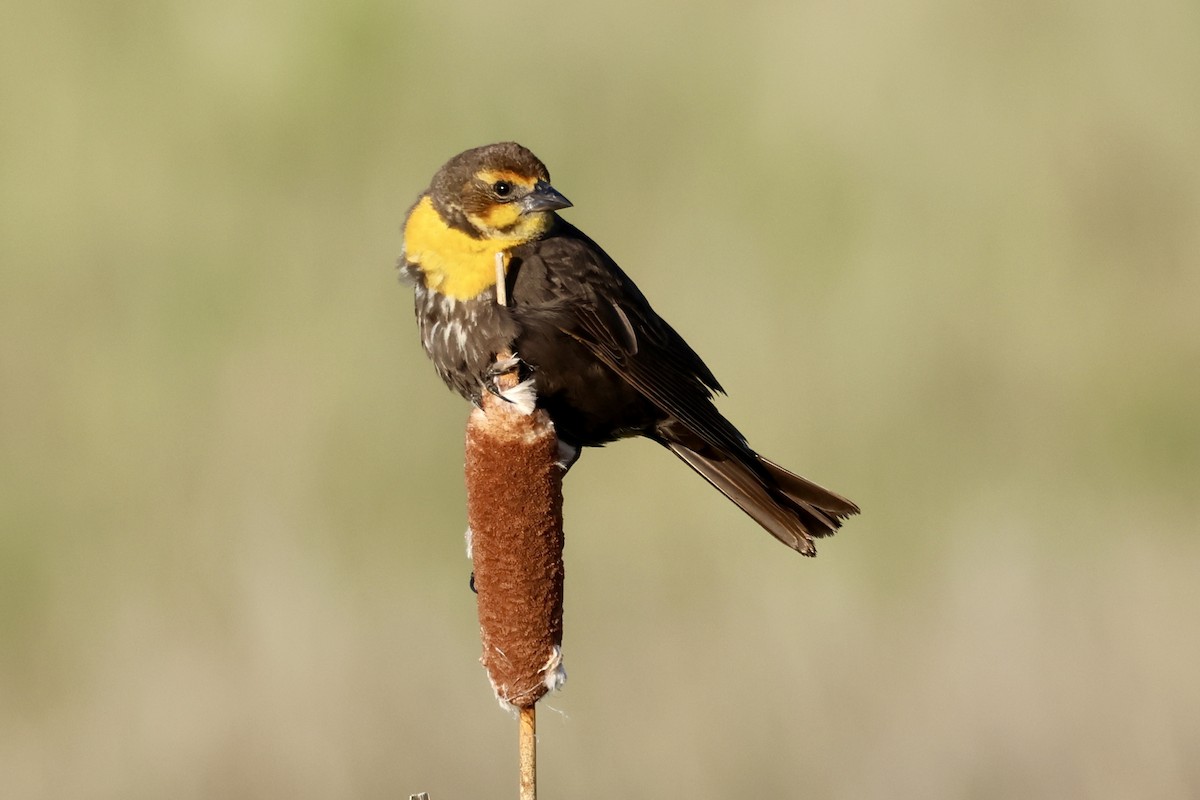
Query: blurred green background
point(945, 256)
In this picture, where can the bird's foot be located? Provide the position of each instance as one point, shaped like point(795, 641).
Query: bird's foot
point(568, 454)
point(499, 381)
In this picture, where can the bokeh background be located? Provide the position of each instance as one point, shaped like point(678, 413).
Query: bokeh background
point(945, 257)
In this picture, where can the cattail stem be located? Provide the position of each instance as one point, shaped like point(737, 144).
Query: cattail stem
point(528, 737)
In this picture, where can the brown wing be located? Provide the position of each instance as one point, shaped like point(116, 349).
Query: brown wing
point(569, 282)
point(566, 285)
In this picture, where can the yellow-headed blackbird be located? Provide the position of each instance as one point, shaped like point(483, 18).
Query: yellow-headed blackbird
point(604, 365)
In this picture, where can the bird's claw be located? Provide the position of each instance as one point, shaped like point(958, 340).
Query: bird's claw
point(498, 368)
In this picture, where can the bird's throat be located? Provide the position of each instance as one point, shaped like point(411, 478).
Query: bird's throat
point(451, 262)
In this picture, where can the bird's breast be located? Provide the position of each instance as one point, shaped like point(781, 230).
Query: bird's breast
point(462, 337)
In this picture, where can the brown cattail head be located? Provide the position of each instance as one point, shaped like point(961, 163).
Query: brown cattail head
point(514, 509)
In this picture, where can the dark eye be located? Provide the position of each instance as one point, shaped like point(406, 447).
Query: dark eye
point(502, 188)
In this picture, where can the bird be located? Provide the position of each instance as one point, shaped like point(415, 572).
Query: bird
point(604, 364)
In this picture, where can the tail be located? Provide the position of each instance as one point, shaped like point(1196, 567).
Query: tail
point(793, 509)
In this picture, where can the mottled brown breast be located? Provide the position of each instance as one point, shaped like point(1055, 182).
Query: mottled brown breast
point(462, 337)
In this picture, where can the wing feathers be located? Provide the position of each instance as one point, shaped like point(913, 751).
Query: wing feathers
point(569, 286)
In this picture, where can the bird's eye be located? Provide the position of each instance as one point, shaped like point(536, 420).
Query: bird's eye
point(502, 188)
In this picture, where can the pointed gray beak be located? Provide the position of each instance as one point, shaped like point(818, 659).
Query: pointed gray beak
point(544, 197)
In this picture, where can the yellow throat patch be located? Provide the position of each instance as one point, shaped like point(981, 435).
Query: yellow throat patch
point(453, 263)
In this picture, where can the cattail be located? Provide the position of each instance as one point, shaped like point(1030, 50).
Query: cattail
point(515, 539)
point(514, 509)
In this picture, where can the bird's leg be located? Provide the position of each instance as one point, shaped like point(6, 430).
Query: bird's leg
point(503, 379)
point(500, 367)
point(568, 454)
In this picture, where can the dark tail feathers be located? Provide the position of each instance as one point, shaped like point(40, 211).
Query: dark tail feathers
point(793, 509)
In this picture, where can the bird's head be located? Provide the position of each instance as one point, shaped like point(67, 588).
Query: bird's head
point(500, 191)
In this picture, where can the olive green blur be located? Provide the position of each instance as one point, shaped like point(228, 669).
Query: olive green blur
point(944, 256)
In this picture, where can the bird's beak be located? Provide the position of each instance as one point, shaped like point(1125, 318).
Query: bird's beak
point(544, 197)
